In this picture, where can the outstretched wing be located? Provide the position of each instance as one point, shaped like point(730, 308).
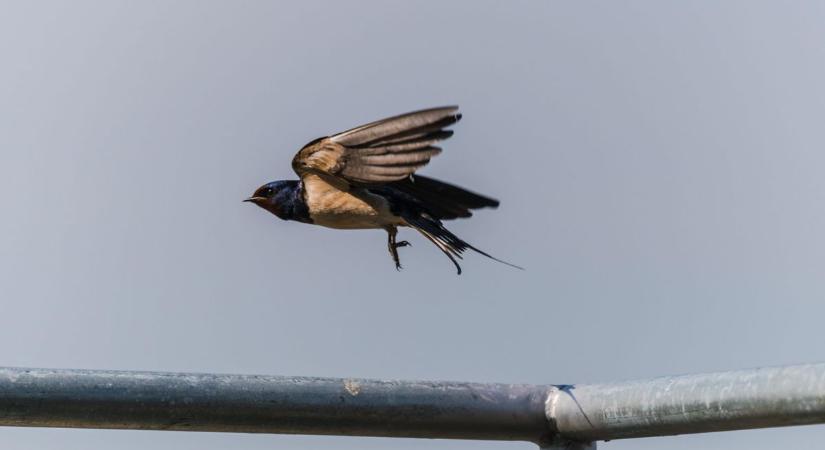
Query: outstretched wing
point(380, 152)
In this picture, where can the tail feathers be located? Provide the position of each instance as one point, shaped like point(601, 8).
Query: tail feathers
point(450, 244)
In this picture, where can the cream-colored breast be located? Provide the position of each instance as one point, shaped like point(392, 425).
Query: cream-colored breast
point(335, 208)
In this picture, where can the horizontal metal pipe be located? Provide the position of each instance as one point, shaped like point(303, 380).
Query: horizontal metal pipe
point(267, 404)
point(548, 415)
point(767, 397)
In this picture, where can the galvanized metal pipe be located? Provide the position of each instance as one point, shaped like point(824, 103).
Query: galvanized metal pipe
point(267, 404)
point(553, 416)
point(758, 398)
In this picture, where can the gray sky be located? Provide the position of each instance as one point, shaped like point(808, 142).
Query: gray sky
point(659, 166)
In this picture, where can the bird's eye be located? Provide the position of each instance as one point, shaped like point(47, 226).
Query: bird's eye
point(265, 192)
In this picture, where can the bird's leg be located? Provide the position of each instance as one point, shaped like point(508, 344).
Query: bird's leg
point(392, 245)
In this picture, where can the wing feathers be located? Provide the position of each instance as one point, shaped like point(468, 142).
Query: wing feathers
point(444, 200)
point(433, 130)
point(421, 136)
point(398, 125)
point(394, 171)
point(380, 152)
point(403, 146)
point(394, 159)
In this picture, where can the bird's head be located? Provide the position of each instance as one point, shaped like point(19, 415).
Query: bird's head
point(275, 197)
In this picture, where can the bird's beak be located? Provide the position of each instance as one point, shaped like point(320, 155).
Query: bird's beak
point(253, 199)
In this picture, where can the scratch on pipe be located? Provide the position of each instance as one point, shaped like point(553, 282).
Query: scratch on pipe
point(353, 387)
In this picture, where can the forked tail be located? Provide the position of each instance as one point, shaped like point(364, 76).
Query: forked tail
point(450, 244)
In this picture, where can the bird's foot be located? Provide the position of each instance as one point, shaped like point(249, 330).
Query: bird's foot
point(394, 252)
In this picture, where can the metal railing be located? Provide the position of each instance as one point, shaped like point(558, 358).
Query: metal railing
point(552, 416)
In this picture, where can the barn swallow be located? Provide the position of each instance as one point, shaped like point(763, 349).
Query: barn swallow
point(364, 178)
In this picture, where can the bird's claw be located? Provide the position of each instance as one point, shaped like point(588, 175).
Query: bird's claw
point(394, 251)
point(393, 247)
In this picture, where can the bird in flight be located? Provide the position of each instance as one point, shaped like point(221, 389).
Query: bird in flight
point(364, 178)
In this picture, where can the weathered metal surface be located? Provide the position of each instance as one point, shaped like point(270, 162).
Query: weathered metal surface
point(267, 404)
point(555, 417)
point(758, 398)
